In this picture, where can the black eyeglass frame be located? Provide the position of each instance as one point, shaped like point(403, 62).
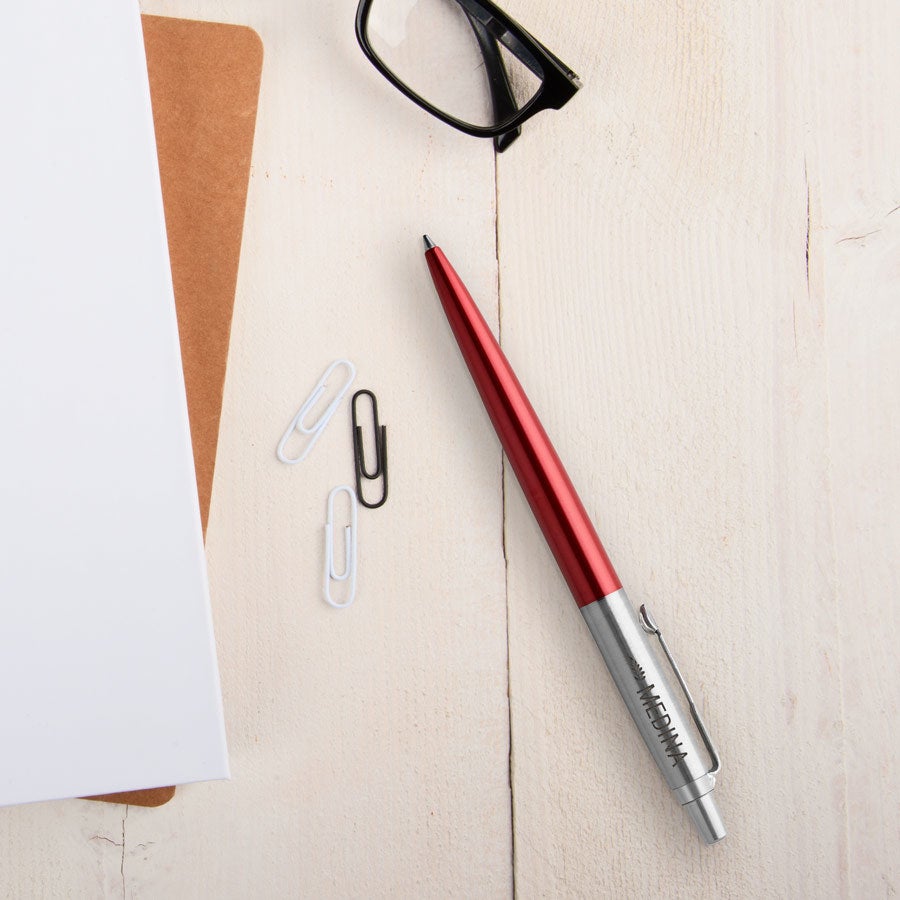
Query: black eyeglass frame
point(558, 82)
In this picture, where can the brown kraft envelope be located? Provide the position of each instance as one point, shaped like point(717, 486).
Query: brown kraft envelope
point(204, 86)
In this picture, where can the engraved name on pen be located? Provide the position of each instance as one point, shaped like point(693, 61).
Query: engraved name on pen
point(656, 713)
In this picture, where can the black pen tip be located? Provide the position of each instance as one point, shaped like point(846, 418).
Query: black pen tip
point(429, 243)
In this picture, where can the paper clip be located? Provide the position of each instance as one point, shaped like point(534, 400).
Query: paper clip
point(350, 548)
point(315, 431)
point(359, 458)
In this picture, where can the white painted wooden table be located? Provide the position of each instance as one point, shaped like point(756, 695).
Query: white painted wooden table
point(695, 268)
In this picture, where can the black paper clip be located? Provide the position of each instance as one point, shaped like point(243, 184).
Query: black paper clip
point(359, 458)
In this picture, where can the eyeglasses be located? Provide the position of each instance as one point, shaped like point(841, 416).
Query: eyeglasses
point(464, 61)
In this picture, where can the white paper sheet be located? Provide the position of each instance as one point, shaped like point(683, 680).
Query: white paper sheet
point(108, 676)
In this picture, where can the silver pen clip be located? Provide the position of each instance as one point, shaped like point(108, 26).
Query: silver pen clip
point(649, 625)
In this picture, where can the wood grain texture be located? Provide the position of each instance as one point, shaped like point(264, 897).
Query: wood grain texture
point(678, 241)
point(698, 285)
point(856, 231)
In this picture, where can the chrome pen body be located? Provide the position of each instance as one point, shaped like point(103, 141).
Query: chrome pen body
point(621, 634)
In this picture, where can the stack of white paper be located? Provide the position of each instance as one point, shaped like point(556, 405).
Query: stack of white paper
point(108, 677)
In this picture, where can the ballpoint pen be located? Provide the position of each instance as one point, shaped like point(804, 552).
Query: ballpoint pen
point(620, 632)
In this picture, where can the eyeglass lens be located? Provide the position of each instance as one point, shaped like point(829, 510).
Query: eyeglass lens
point(446, 55)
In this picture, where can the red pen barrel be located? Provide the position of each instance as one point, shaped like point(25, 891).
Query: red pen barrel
point(621, 636)
point(547, 487)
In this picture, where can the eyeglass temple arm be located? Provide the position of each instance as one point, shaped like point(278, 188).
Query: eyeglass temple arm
point(498, 81)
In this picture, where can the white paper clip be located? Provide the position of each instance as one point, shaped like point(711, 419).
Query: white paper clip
point(350, 548)
point(314, 432)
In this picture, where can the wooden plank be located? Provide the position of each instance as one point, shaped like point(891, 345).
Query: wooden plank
point(855, 248)
point(654, 297)
point(369, 746)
